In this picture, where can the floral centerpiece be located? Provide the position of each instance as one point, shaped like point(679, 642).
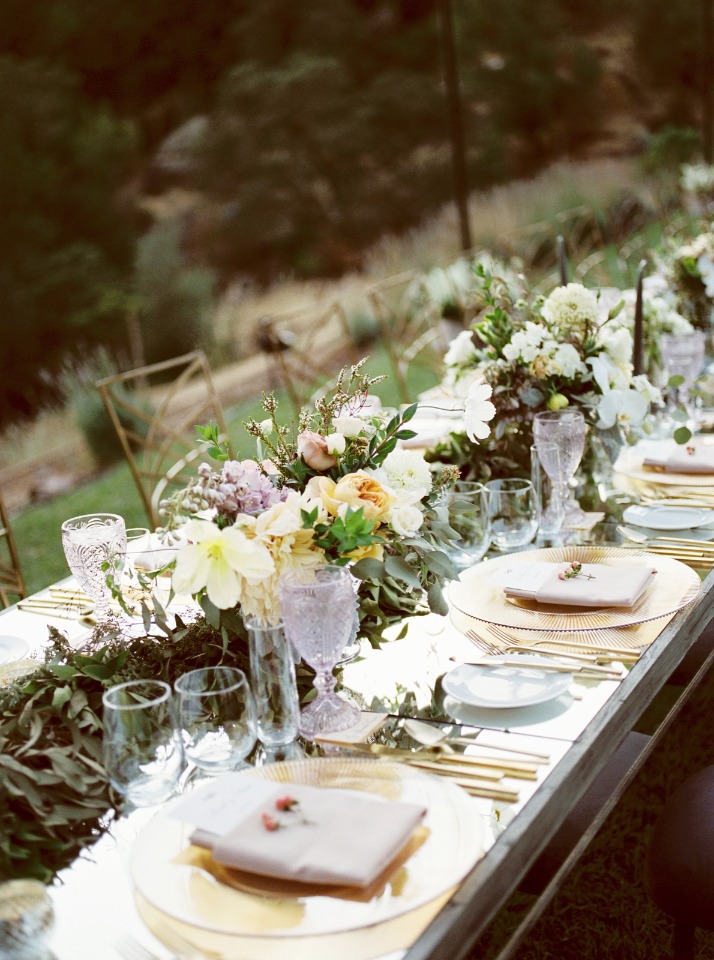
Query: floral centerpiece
point(336, 488)
point(689, 272)
point(542, 353)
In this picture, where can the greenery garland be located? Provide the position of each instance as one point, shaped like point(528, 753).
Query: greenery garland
point(55, 799)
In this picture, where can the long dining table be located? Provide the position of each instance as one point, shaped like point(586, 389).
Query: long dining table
point(575, 736)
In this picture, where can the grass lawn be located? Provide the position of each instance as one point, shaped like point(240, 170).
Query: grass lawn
point(37, 528)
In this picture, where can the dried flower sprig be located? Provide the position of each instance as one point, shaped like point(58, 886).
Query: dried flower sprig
point(574, 569)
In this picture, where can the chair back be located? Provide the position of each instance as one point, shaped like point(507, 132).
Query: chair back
point(155, 410)
point(12, 584)
point(304, 347)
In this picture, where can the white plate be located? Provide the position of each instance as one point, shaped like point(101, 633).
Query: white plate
point(667, 518)
point(500, 687)
point(12, 648)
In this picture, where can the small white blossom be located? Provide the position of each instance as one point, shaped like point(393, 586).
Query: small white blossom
point(643, 386)
point(461, 350)
point(266, 427)
point(406, 519)
point(336, 443)
point(478, 411)
point(348, 426)
point(625, 407)
point(618, 344)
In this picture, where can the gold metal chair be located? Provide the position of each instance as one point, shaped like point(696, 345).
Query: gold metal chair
point(12, 584)
point(155, 410)
point(411, 337)
point(304, 347)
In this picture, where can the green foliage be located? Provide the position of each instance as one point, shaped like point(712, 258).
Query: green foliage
point(669, 148)
point(54, 796)
point(175, 302)
point(65, 244)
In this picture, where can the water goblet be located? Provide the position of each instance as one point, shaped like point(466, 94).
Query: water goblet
point(512, 512)
point(143, 753)
point(567, 429)
point(90, 541)
point(217, 717)
point(682, 356)
point(318, 614)
point(466, 512)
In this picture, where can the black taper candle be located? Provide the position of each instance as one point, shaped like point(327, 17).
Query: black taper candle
point(638, 335)
point(562, 261)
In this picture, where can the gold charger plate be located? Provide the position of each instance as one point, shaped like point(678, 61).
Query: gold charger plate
point(252, 918)
point(630, 464)
point(477, 598)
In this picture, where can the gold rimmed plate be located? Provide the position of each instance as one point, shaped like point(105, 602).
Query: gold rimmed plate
point(630, 464)
point(476, 597)
point(247, 916)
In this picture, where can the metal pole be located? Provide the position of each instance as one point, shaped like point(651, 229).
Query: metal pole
point(706, 80)
point(456, 127)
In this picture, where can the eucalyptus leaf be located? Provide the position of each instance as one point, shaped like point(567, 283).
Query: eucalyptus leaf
point(682, 435)
point(397, 567)
point(368, 569)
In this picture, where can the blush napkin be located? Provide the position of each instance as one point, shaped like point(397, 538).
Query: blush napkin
point(331, 837)
point(693, 458)
point(597, 585)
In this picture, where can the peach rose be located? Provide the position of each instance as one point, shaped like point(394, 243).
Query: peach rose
point(312, 447)
point(354, 490)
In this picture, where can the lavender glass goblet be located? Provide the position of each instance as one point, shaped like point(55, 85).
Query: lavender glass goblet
point(566, 429)
point(318, 616)
point(90, 541)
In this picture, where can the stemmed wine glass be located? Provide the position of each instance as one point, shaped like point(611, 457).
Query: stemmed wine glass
point(90, 541)
point(566, 429)
point(682, 356)
point(318, 617)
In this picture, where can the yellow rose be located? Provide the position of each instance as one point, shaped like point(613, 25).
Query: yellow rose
point(374, 552)
point(355, 490)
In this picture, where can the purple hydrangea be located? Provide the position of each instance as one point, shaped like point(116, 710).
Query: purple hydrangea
point(239, 488)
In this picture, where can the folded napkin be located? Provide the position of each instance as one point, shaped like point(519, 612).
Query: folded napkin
point(593, 585)
point(329, 837)
point(692, 458)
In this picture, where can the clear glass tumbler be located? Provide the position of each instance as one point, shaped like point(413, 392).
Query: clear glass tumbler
point(217, 717)
point(318, 616)
point(545, 473)
point(143, 752)
point(513, 513)
point(466, 512)
point(272, 674)
point(91, 541)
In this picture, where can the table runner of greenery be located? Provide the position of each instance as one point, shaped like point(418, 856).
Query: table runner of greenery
point(55, 799)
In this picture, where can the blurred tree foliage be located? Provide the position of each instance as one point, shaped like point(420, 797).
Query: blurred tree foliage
point(65, 245)
point(325, 127)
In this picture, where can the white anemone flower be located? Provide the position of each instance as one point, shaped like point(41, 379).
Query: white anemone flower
point(216, 560)
point(478, 411)
point(461, 350)
point(628, 408)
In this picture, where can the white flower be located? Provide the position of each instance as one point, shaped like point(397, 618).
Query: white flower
point(478, 411)
point(705, 266)
point(661, 317)
point(407, 470)
point(526, 344)
point(696, 177)
point(217, 561)
point(643, 386)
point(336, 443)
point(348, 425)
point(618, 344)
point(568, 359)
point(266, 427)
point(406, 519)
point(626, 407)
point(571, 309)
point(607, 374)
point(461, 350)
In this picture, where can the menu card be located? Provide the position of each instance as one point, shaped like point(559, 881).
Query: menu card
point(298, 832)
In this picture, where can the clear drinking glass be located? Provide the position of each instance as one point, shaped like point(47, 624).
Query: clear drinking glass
point(217, 717)
point(272, 673)
point(26, 919)
point(467, 514)
point(318, 616)
point(682, 356)
point(89, 542)
point(143, 753)
point(512, 511)
point(545, 473)
point(567, 429)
